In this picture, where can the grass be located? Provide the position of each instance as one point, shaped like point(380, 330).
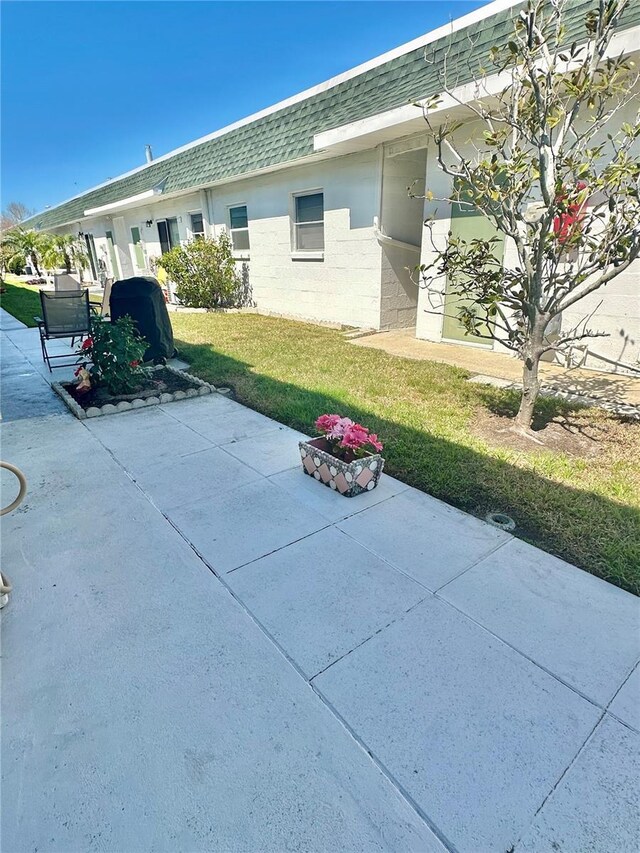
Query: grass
point(20, 299)
point(585, 510)
point(23, 300)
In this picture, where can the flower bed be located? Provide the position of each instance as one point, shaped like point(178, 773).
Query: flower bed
point(158, 385)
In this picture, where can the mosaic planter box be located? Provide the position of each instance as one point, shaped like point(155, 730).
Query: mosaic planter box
point(347, 478)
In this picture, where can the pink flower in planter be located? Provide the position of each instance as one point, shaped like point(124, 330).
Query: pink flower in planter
point(375, 442)
point(326, 423)
point(340, 427)
point(346, 437)
point(354, 439)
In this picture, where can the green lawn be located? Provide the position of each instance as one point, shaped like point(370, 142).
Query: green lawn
point(20, 299)
point(585, 510)
point(23, 300)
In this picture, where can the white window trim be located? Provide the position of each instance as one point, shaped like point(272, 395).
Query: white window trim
point(299, 254)
point(242, 254)
point(191, 233)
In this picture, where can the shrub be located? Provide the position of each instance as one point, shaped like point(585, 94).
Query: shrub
point(204, 273)
point(115, 351)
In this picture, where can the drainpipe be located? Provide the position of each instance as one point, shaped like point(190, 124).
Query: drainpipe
point(209, 199)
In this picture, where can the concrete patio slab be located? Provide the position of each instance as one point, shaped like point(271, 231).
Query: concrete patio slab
point(224, 426)
point(323, 596)
point(326, 501)
point(193, 409)
point(582, 629)
point(8, 322)
point(626, 703)
point(175, 480)
point(141, 439)
point(271, 452)
point(233, 528)
point(143, 710)
point(596, 806)
point(410, 531)
point(475, 733)
point(148, 706)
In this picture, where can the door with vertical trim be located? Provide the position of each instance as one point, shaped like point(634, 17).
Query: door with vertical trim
point(467, 223)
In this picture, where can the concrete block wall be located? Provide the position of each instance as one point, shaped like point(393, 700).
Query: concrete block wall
point(342, 287)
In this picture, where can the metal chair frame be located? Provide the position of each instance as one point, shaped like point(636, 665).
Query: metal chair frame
point(47, 334)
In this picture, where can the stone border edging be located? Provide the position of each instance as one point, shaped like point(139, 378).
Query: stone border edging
point(139, 403)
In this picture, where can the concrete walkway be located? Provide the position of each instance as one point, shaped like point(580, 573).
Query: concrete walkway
point(619, 391)
point(206, 650)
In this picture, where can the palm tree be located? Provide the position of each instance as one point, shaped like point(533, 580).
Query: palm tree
point(64, 250)
point(27, 245)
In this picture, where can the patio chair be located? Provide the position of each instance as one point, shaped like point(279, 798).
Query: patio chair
point(63, 282)
point(65, 314)
point(103, 311)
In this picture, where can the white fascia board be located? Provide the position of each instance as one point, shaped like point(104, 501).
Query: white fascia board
point(404, 120)
point(150, 197)
point(409, 118)
point(125, 202)
point(458, 24)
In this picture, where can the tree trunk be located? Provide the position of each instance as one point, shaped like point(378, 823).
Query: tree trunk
point(67, 262)
point(530, 389)
point(34, 261)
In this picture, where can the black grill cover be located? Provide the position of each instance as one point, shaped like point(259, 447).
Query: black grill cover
point(142, 299)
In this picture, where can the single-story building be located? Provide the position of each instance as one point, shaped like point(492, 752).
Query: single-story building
point(313, 192)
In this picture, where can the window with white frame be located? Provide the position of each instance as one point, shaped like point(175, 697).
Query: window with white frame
point(197, 225)
point(239, 228)
point(308, 226)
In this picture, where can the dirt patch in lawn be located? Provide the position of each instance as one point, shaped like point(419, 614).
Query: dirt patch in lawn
point(161, 381)
point(586, 433)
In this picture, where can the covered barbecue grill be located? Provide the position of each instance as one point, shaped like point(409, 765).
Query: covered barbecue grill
point(142, 299)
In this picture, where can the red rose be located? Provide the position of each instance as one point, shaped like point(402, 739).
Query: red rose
point(134, 363)
point(87, 343)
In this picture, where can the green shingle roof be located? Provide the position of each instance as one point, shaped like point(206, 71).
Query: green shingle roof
point(287, 134)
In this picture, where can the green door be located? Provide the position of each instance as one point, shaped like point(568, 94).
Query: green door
point(137, 248)
point(467, 224)
point(113, 255)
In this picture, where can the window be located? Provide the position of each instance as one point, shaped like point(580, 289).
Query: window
point(197, 226)
point(309, 222)
point(137, 248)
point(168, 234)
point(239, 228)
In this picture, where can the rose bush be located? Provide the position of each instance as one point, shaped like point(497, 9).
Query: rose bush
point(114, 351)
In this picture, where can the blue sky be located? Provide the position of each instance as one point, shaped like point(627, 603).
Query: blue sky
point(86, 84)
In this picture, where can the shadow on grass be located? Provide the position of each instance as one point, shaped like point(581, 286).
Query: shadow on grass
point(583, 527)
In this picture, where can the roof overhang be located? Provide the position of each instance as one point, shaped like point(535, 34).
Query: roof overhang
point(131, 201)
point(409, 118)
